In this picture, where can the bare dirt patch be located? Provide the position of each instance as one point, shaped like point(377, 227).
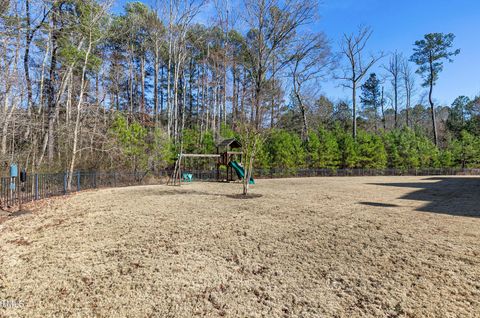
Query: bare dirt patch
point(316, 247)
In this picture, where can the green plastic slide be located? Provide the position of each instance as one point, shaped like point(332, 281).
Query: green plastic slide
point(239, 170)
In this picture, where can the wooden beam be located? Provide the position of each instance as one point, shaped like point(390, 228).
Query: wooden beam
point(198, 155)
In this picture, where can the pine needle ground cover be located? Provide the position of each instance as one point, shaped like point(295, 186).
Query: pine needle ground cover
point(316, 247)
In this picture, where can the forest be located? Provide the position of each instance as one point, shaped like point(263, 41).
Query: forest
point(87, 87)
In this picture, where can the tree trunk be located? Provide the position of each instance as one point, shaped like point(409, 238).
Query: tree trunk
point(77, 119)
point(169, 93)
point(272, 110)
point(190, 92)
point(214, 122)
point(130, 80)
point(304, 117)
point(382, 101)
point(155, 85)
point(142, 82)
point(432, 107)
point(257, 100)
point(51, 87)
point(234, 96)
point(162, 79)
point(249, 159)
point(407, 108)
point(354, 110)
point(224, 91)
point(42, 79)
point(6, 123)
point(26, 66)
point(242, 99)
point(396, 100)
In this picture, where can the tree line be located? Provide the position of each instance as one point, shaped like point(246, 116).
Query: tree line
point(86, 88)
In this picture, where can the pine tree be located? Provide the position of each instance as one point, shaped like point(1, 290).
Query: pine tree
point(457, 120)
point(466, 150)
point(312, 146)
point(285, 149)
point(328, 152)
point(429, 55)
point(370, 99)
point(370, 151)
point(346, 145)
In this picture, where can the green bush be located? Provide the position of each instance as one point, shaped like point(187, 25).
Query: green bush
point(284, 149)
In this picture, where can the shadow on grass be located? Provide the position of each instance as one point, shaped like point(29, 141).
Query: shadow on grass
point(457, 196)
point(378, 204)
point(186, 191)
point(20, 213)
point(244, 197)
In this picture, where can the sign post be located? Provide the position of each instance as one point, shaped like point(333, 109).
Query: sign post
point(13, 176)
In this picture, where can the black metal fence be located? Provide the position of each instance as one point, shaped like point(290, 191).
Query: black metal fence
point(300, 173)
point(41, 186)
point(210, 175)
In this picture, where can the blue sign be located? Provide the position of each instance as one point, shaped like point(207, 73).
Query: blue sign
point(13, 170)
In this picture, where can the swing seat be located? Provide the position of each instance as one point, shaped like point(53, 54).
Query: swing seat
point(187, 177)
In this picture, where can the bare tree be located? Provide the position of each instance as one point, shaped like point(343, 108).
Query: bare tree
point(273, 26)
point(311, 60)
point(250, 137)
point(382, 106)
point(352, 48)
point(156, 38)
point(408, 86)
point(52, 74)
point(224, 19)
point(180, 16)
point(394, 72)
point(90, 27)
point(29, 36)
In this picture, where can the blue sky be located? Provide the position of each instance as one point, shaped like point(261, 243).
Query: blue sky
point(396, 26)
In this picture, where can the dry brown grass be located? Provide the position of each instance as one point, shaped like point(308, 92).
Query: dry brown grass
point(318, 247)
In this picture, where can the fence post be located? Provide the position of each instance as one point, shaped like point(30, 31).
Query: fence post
point(36, 187)
point(64, 183)
point(78, 181)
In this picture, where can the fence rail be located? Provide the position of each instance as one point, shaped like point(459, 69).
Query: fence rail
point(299, 173)
point(41, 186)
